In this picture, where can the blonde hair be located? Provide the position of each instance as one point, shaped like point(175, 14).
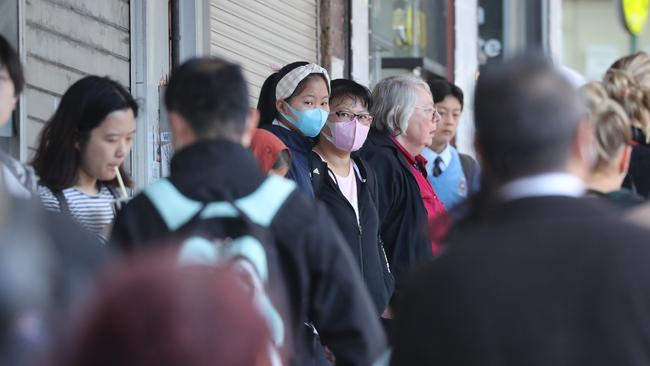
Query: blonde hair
point(638, 66)
point(628, 82)
point(612, 129)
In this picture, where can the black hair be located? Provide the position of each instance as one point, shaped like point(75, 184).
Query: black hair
point(345, 88)
point(442, 88)
point(83, 107)
point(10, 60)
point(526, 116)
point(211, 94)
point(266, 101)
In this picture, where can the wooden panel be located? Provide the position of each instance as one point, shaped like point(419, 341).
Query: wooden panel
point(45, 75)
point(81, 28)
point(33, 128)
point(74, 55)
point(40, 105)
point(110, 11)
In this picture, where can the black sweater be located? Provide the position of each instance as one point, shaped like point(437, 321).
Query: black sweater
point(362, 235)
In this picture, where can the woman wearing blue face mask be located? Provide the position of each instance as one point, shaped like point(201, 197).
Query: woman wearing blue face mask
point(294, 105)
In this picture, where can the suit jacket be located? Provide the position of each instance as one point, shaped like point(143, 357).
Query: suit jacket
point(538, 281)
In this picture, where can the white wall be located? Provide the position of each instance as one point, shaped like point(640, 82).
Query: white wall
point(593, 36)
point(150, 69)
point(465, 68)
point(359, 42)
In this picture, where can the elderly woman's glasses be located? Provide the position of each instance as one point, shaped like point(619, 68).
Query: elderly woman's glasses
point(429, 112)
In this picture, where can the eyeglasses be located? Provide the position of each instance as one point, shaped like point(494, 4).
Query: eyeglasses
point(430, 111)
point(364, 118)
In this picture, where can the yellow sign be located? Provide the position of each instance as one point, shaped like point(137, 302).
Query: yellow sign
point(635, 14)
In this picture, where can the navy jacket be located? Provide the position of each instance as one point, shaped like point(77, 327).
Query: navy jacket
point(300, 148)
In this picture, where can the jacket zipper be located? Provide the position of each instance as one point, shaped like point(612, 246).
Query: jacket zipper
point(360, 230)
point(360, 246)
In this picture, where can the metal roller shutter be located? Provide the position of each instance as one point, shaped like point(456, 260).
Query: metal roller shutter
point(263, 34)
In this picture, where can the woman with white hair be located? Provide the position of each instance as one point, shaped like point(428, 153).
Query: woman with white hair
point(405, 120)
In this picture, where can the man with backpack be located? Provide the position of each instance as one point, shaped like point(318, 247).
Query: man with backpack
point(214, 175)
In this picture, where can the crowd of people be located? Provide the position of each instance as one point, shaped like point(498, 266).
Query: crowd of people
point(333, 224)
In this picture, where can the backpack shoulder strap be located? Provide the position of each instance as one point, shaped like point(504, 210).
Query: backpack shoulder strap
point(63, 202)
point(174, 208)
point(263, 204)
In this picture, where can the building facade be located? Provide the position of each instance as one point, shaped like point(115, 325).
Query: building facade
point(138, 42)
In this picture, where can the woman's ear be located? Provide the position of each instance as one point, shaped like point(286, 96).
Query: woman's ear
point(279, 105)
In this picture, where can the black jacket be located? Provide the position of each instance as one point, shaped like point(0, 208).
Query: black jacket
point(401, 211)
point(536, 281)
point(313, 256)
point(361, 235)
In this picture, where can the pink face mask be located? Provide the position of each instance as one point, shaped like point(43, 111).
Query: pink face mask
point(347, 136)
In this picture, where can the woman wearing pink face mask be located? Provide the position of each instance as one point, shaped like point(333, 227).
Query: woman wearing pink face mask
point(347, 185)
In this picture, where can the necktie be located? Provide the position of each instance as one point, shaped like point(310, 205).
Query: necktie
point(436, 167)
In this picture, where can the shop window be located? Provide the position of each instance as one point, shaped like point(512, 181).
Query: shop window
point(410, 36)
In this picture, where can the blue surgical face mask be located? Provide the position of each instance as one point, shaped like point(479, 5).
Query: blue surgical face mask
point(309, 122)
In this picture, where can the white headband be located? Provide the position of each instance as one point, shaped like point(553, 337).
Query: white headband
point(289, 82)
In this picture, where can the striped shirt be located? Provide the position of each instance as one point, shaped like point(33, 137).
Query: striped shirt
point(93, 212)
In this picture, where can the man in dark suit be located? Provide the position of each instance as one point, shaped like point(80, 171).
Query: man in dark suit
point(536, 274)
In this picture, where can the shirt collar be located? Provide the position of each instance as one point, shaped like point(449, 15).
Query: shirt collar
point(550, 184)
point(445, 155)
point(278, 123)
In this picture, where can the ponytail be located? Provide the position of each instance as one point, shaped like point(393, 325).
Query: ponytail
point(266, 101)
